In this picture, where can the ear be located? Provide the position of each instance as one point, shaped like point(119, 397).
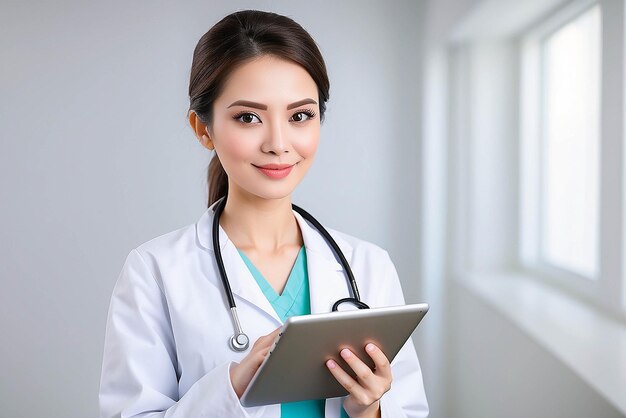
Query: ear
point(200, 130)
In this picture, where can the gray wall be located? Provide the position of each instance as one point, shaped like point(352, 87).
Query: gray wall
point(97, 158)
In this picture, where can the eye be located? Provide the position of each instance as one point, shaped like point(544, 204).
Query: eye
point(246, 118)
point(303, 116)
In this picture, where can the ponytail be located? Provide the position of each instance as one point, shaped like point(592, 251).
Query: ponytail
point(217, 179)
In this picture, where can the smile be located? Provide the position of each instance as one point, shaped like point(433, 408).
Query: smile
point(275, 171)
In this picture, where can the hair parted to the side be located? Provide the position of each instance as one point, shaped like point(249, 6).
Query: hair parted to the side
point(232, 41)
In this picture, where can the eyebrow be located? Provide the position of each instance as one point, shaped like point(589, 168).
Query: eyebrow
point(264, 107)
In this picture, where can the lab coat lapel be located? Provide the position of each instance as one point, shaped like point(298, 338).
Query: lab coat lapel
point(242, 282)
point(327, 281)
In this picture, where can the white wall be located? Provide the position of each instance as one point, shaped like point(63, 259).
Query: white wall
point(496, 370)
point(97, 158)
point(440, 17)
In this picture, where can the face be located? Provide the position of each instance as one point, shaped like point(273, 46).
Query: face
point(266, 118)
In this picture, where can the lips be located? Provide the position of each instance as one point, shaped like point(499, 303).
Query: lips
point(275, 171)
point(274, 166)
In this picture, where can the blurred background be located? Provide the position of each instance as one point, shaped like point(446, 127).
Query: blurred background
point(480, 142)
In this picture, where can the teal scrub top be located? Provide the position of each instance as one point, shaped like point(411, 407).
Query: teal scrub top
point(295, 300)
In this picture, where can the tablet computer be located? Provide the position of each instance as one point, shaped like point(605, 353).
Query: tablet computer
point(295, 367)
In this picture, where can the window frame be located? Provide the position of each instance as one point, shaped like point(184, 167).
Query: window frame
point(607, 291)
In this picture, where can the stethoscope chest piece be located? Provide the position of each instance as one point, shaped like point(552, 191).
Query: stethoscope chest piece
point(239, 342)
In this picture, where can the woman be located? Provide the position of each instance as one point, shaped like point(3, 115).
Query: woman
point(257, 98)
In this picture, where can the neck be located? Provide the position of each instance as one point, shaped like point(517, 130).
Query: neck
point(266, 225)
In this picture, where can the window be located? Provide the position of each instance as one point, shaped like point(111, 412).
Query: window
point(572, 157)
point(537, 174)
point(538, 157)
point(569, 145)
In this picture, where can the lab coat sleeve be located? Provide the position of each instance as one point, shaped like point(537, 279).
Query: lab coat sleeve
point(139, 369)
point(406, 398)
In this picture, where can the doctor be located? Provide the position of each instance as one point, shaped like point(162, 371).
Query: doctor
point(258, 90)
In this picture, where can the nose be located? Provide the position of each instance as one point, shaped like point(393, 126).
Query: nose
point(277, 141)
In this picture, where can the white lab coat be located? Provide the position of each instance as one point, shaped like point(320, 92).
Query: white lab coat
point(166, 350)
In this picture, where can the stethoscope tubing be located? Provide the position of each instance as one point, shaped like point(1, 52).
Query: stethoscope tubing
point(239, 341)
point(219, 207)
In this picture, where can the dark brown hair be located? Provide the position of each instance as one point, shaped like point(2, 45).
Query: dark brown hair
point(232, 41)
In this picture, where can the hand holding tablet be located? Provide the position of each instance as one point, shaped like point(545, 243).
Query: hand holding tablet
point(296, 367)
point(370, 385)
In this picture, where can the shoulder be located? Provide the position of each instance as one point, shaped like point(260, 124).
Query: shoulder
point(168, 242)
point(145, 263)
point(373, 269)
point(360, 248)
point(355, 242)
point(165, 249)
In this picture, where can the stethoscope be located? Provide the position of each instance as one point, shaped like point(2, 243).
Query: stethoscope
point(240, 341)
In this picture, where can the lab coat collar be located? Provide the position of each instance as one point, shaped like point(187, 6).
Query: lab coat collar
point(204, 227)
point(327, 281)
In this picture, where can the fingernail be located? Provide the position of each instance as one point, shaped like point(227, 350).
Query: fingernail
point(331, 364)
point(345, 353)
point(369, 347)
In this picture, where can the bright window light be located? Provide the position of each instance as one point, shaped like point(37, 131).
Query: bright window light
point(570, 146)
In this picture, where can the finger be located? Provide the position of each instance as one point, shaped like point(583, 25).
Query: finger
point(381, 361)
point(254, 359)
point(345, 380)
point(276, 331)
point(363, 372)
point(242, 373)
point(266, 340)
point(272, 335)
